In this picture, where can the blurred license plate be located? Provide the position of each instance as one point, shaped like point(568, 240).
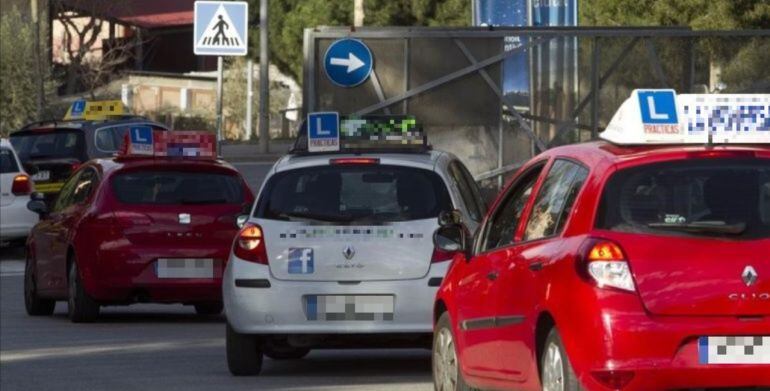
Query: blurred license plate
point(350, 308)
point(185, 268)
point(42, 176)
point(734, 350)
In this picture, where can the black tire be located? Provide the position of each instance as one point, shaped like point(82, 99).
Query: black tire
point(34, 305)
point(285, 352)
point(444, 325)
point(81, 308)
point(208, 308)
point(244, 353)
point(567, 374)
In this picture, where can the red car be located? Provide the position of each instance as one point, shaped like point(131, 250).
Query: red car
point(136, 229)
point(614, 267)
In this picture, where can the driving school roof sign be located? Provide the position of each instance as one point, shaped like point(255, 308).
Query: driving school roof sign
point(221, 28)
point(663, 117)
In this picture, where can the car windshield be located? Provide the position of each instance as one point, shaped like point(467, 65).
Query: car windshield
point(354, 194)
point(177, 188)
point(714, 198)
point(53, 144)
point(7, 162)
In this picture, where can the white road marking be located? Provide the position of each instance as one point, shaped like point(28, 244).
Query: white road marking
point(70, 351)
point(11, 268)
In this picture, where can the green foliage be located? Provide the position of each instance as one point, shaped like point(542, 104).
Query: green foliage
point(289, 18)
point(18, 76)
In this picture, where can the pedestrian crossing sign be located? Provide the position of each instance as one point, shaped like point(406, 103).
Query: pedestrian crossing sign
point(221, 28)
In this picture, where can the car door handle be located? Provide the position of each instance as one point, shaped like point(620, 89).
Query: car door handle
point(491, 276)
point(536, 266)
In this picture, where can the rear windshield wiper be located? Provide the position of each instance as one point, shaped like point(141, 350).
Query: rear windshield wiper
point(316, 216)
point(719, 227)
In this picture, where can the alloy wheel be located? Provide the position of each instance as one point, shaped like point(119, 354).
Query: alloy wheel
point(553, 369)
point(445, 361)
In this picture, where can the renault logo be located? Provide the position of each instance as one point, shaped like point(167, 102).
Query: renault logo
point(349, 252)
point(749, 276)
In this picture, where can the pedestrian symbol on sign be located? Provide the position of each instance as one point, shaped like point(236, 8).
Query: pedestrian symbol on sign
point(221, 28)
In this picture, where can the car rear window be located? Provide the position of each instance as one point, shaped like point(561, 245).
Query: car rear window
point(715, 198)
point(54, 144)
point(177, 188)
point(7, 162)
point(354, 194)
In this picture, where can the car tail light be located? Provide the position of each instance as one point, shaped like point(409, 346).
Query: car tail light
point(717, 154)
point(442, 256)
point(615, 380)
point(606, 264)
point(250, 244)
point(22, 185)
point(354, 160)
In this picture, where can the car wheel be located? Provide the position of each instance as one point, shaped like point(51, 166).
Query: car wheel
point(556, 373)
point(244, 353)
point(32, 302)
point(80, 307)
point(208, 308)
point(285, 352)
point(447, 375)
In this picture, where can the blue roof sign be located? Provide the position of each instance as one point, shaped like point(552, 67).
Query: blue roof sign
point(323, 132)
point(141, 140)
point(221, 28)
point(348, 62)
point(663, 117)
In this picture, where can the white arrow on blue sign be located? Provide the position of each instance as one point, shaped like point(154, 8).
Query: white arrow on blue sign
point(348, 62)
point(221, 28)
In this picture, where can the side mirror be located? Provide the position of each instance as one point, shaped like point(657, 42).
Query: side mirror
point(452, 217)
point(241, 220)
point(451, 238)
point(38, 206)
point(30, 168)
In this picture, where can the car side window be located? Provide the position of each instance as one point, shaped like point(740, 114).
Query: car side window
point(501, 228)
point(554, 202)
point(85, 186)
point(469, 191)
point(64, 199)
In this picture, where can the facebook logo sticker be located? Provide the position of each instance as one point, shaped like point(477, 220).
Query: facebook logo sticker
point(301, 261)
point(658, 107)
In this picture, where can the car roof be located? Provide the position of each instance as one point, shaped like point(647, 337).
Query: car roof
point(111, 165)
point(598, 152)
point(86, 124)
point(423, 159)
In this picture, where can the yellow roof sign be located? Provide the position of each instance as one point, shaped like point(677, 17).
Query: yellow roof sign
point(96, 110)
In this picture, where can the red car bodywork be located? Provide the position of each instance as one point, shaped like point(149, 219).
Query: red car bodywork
point(116, 245)
point(682, 287)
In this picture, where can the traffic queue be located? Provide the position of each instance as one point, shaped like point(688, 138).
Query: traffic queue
point(635, 262)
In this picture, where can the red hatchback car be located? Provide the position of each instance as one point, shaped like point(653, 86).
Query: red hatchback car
point(135, 229)
point(609, 267)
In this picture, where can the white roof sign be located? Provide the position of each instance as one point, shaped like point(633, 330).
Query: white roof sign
point(663, 117)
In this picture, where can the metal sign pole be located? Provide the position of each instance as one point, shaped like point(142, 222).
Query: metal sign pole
point(249, 99)
point(264, 81)
point(219, 105)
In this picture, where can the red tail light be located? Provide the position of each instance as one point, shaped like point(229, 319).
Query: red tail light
point(615, 380)
point(354, 160)
point(442, 256)
point(605, 263)
point(250, 244)
point(22, 185)
point(723, 154)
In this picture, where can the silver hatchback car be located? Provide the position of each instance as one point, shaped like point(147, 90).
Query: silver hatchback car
point(338, 252)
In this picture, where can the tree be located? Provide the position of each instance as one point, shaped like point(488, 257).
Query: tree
point(18, 72)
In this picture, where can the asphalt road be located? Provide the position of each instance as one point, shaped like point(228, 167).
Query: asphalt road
point(168, 347)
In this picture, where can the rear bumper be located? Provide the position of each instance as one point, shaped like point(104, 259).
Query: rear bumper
point(128, 274)
point(16, 220)
point(279, 308)
point(662, 352)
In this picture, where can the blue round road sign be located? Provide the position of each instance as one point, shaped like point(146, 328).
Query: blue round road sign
point(348, 62)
